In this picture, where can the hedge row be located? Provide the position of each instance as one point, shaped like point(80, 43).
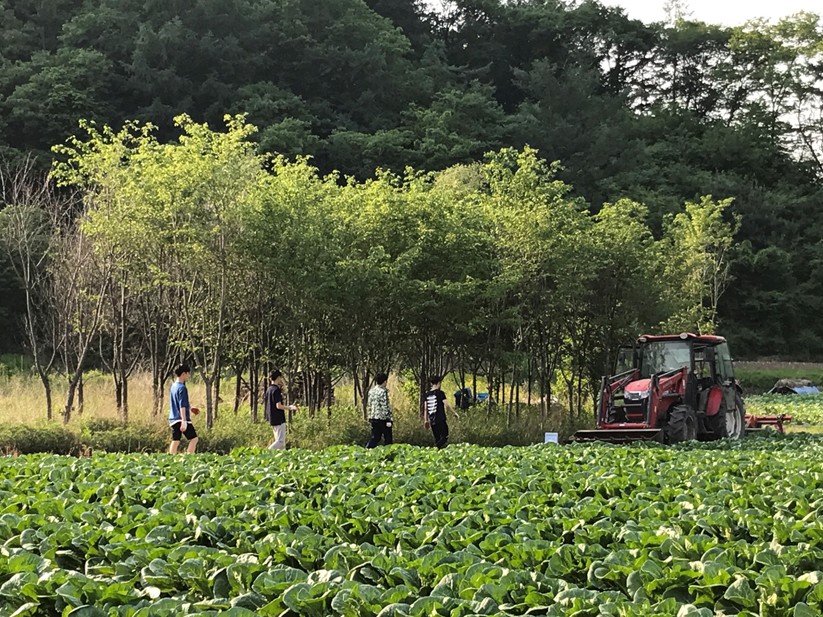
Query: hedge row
point(346, 425)
point(107, 436)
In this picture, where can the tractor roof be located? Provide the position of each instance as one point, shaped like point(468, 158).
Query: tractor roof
point(708, 339)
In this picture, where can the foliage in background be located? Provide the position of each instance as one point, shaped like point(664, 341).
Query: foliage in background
point(230, 260)
point(658, 113)
point(522, 270)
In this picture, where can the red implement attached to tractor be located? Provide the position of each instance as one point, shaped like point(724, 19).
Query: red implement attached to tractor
point(674, 388)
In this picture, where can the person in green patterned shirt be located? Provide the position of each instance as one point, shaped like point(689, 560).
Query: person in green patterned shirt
point(380, 412)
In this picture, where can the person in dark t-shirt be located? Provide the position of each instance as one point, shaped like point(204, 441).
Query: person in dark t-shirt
point(275, 410)
point(436, 404)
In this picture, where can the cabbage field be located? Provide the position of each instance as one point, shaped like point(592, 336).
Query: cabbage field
point(697, 529)
point(805, 409)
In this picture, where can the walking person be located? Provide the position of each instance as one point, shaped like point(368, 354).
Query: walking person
point(181, 410)
point(436, 405)
point(275, 410)
point(380, 413)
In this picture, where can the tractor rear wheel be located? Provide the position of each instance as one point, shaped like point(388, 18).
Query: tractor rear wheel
point(728, 423)
point(682, 424)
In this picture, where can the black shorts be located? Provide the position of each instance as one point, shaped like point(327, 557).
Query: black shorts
point(176, 433)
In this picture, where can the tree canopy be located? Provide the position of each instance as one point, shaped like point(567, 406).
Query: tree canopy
point(642, 118)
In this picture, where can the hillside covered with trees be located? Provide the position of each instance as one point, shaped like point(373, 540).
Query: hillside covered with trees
point(643, 117)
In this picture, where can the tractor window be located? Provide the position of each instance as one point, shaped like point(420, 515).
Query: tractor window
point(664, 356)
point(703, 363)
point(724, 362)
point(625, 360)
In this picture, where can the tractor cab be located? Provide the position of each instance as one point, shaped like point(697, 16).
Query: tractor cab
point(670, 388)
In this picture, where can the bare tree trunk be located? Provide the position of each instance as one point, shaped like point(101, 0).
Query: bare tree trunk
point(118, 394)
point(254, 387)
point(71, 391)
point(511, 394)
point(329, 386)
point(365, 390)
point(217, 380)
point(119, 366)
point(308, 383)
point(156, 395)
point(81, 398)
point(492, 392)
point(319, 380)
point(157, 387)
point(424, 379)
point(531, 376)
point(207, 381)
point(44, 379)
point(238, 382)
point(542, 374)
point(356, 385)
point(125, 398)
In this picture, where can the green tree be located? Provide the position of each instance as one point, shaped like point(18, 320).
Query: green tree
point(698, 244)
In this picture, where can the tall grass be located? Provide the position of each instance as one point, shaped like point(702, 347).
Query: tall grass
point(22, 403)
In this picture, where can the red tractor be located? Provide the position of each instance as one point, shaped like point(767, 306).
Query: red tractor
point(673, 388)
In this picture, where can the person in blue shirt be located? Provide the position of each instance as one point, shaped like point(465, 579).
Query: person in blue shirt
point(181, 410)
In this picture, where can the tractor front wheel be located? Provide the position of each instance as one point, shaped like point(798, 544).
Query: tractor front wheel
point(682, 424)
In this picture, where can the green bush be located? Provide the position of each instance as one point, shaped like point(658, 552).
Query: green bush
point(13, 364)
point(98, 425)
point(21, 439)
point(345, 426)
point(111, 436)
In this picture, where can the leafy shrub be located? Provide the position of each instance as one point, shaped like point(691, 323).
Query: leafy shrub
point(98, 425)
point(108, 436)
point(13, 364)
point(345, 426)
point(410, 388)
point(21, 439)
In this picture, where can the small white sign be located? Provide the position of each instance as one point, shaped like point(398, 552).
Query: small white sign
point(550, 438)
